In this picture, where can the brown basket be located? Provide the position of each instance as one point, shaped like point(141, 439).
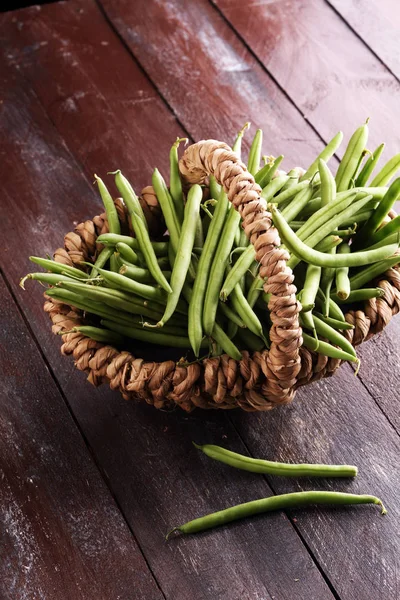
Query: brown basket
point(261, 380)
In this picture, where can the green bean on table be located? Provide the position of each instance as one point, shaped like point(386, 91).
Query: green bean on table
point(369, 166)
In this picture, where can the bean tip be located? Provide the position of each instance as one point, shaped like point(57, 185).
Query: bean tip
point(117, 172)
point(171, 532)
point(23, 279)
point(197, 446)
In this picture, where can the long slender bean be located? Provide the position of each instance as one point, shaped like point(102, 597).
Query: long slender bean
point(225, 342)
point(48, 278)
point(237, 145)
point(380, 213)
point(96, 333)
point(359, 295)
point(140, 227)
point(139, 274)
point(390, 229)
point(175, 183)
point(274, 186)
point(331, 334)
point(152, 336)
point(102, 259)
point(325, 155)
point(328, 184)
point(340, 325)
point(228, 312)
point(282, 502)
point(369, 273)
point(257, 465)
point(127, 253)
point(369, 166)
point(236, 273)
point(111, 211)
point(387, 172)
point(291, 192)
point(310, 288)
point(351, 157)
point(297, 204)
point(342, 275)
point(246, 313)
point(57, 267)
point(253, 164)
point(120, 282)
point(326, 349)
point(334, 310)
point(112, 239)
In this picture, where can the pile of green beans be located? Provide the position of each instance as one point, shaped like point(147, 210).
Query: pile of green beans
point(199, 285)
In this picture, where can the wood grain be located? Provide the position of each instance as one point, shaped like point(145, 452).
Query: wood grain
point(147, 456)
point(329, 73)
point(62, 536)
point(377, 23)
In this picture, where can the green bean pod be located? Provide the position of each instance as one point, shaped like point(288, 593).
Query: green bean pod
point(152, 336)
point(335, 311)
point(57, 267)
point(310, 288)
point(138, 273)
point(390, 229)
point(328, 183)
point(239, 269)
point(97, 333)
point(120, 282)
point(340, 325)
point(350, 159)
point(230, 314)
point(387, 172)
point(112, 239)
point(325, 155)
point(342, 275)
point(175, 183)
point(359, 295)
point(225, 342)
point(282, 502)
point(140, 227)
point(102, 259)
point(237, 145)
point(330, 333)
point(327, 349)
point(297, 204)
point(253, 164)
point(127, 253)
point(246, 313)
point(369, 166)
point(184, 251)
point(274, 186)
point(48, 278)
point(380, 213)
point(111, 211)
point(269, 467)
point(369, 273)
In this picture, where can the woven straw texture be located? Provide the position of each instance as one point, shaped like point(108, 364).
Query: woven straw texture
point(261, 380)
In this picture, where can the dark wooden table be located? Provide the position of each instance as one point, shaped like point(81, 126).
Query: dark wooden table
point(89, 484)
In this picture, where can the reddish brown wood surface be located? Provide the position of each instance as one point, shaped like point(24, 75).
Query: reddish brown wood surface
point(377, 23)
point(71, 104)
point(62, 536)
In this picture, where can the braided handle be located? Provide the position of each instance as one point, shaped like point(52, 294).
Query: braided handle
point(282, 364)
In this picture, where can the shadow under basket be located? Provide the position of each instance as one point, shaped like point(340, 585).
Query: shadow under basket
point(261, 380)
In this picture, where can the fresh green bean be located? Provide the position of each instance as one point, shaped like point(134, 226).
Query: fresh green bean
point(246, 313)
point(198, 233)
point(57, 267)
point(282, 502)
point(359, 217)
point(264, 175)
point(140, 227)
point(291, 192)
point(325, 155)
point(342, 275)
point(328, 184)
point(309, 255)
point(253, 164)
point(331, 241)
point(359, 295)
point(369, 166)
point(310, 288)
point(111, 211)
point(228, 312)
point(335, 311)
point(183, 253)
point(168, 209)
point(127, 253)
point(112, 239)
point(297, 204)
point(331, 334)
point(225, 342)
point(390, 229)
point(340, 325)
point(236, 273)
point(237, 145)
point(48, 278)
point(326, 349)
point(175, 183)
point(255, 290)
point(139, 274)
point(274, 186)
point(257, 465)
point(351, 157)
point(152, 336)
point(369, 273)
point(102, 259)
point(120, 282)
point(96, 333)
point(215, 188)
point(380, 213)
point(387, 172)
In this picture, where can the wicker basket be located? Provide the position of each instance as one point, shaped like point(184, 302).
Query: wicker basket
point(261, 380)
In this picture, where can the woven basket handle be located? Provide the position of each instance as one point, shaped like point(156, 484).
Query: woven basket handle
point(282, 364)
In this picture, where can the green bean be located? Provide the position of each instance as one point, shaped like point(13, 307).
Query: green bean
point(183, 253)
point(225, 342)
point(369, 166)
point(274, 186)
point(138, 273)
point(257, 465)
point(243, 239)
point(291, 192)
point(326, 349)
point(306, 320)
point(331, 241)
point(57, 267)
point(215, 188)
point(112, 239)
point(127, 253)
point(325, 155)
point(393, 227)
point(102, 259)
point(236, 273)
point(120, 282)
point(168, 209)
point(264, 175)
point(359, 217)
point(297, 204)
point(255, 290)
point(111, 211)
point(309, 255)
point(351, 157)
point(340, 325)
point(328, 184)
point(96, 333)
point(331, 334)
point(310, 288)
point(253, 164)
point(237, 145)
point(335, 311)
point(369, 273)
point(198, 234)
point(380, 213)
point(282, 502)
point(152, 336)
point(175, 183)
point(140, 227)
point(246, 313)
point(390, 239)
point(342, 275)
point(48, 278)
point(359, 295)
point(387, 172)
point(230, 314)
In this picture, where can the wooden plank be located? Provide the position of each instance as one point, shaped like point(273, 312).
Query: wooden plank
point(326, 70)
point(337, 421)
point(147, 456)
point(377, 23)
point(62, 536)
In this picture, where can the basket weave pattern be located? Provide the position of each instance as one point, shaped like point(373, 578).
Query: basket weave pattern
point(261, 380)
